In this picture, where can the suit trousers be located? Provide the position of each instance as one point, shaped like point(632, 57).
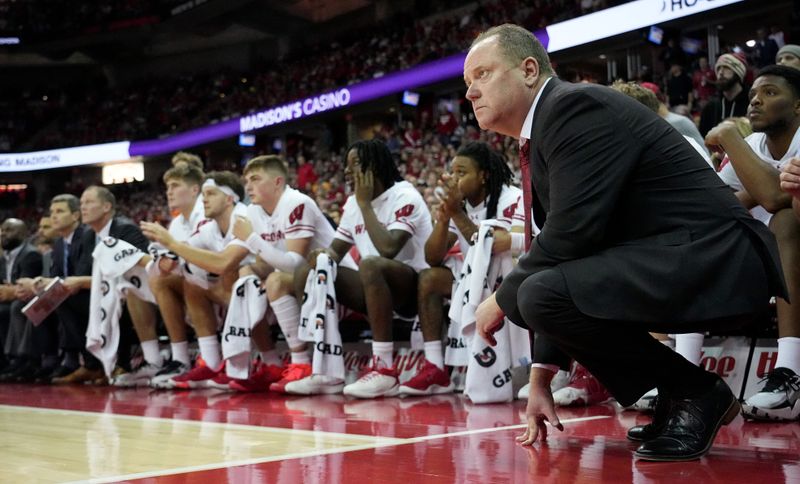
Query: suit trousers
point(19, 336)
point(73, 318)
point(620, 354)
point(5, 320)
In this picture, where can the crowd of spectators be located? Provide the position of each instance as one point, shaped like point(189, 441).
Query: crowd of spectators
point(155, 107)
point(38, 19)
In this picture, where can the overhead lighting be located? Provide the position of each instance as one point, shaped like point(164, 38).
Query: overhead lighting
point(602, 56)
point(750, 43)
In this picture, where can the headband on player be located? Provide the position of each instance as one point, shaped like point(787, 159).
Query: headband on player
point(223, 188)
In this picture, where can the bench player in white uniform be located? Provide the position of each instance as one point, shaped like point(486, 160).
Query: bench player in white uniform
point(387, 220)
point(211, 266)
point(753, 172)
point(183, 182)
point(282, 226)
point(477, 188)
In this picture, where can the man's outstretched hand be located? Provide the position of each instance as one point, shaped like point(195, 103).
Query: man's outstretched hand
point(541, 408)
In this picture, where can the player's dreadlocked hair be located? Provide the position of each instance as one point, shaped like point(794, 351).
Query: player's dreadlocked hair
point(375, 155)
point(494, 165)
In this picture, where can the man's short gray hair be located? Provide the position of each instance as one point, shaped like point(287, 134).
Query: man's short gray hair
point(517, 44)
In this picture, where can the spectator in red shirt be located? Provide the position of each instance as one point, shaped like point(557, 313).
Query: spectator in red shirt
point(446, 123)
point(411, 136)
point(306, 176)
point(704, 81)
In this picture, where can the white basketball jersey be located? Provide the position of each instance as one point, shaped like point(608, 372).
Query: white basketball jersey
point(296, 216)
point(510, 213)
point(181, 228)
point(401, 207)
point(208, 235)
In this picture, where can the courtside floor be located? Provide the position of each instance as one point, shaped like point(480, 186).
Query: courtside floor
point(90, 434)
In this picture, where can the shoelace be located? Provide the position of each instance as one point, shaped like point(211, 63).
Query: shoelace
point(777, 380)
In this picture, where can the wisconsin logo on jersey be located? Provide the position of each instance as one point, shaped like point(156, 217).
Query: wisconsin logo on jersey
point(509, 211)
point(405, 211)
point(297, 214)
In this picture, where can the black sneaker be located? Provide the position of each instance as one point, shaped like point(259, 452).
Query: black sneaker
point(163, 378)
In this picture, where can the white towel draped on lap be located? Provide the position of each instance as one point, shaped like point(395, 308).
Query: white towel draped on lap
point(248, 306)
point(488, 377)
point(319, 320)
point(115, 274)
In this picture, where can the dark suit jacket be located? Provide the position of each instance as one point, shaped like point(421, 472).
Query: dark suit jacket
point(641, 228)
point(80, 254)
point(122, 228)
point(27, 264)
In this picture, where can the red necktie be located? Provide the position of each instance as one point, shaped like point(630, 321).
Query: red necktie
point(524, 164)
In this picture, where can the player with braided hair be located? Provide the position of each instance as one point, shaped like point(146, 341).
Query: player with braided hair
point(477, 188)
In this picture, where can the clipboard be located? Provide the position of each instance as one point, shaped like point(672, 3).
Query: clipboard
point(45, 303)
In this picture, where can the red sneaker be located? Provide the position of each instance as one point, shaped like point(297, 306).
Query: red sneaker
point(583, 389)
point(197, 377)
point(221, 381)
point(260, 379)
point(429, 380)
point(293, 372)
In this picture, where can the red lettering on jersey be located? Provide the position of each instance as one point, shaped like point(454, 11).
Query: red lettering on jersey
point(272, 236)
point(297, 213)
point(359, 228)
point(404, 212)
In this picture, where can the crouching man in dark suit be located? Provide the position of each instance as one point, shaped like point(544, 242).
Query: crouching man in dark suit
point(637, 235)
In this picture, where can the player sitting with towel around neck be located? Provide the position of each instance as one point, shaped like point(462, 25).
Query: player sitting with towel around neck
point(477, 188)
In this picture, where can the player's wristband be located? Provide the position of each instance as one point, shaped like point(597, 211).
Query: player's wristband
point(517, 243)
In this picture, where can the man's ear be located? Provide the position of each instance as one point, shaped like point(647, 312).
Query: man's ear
point(532, 72)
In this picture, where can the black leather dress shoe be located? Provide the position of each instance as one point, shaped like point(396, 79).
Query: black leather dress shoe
point(641, 433)
point(43, 374)
point(26, 373)
point(692, 425)
point(8, 373)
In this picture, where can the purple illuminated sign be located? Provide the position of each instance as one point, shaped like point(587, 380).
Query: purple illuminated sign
point(421, 75)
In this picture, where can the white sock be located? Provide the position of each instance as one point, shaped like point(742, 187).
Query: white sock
point(383, 350)
point(271, 357)
point(789, 354)
point(151, 354)
point(287, 312)
point(301, 357)
point(210, 351)
point(180, 352)
point(669, 343)
point(690, 346)
point(433, 353)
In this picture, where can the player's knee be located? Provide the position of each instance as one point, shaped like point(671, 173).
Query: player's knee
point(786, 228)
point(371, 268)
point(278, 284)
point(431, 281)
